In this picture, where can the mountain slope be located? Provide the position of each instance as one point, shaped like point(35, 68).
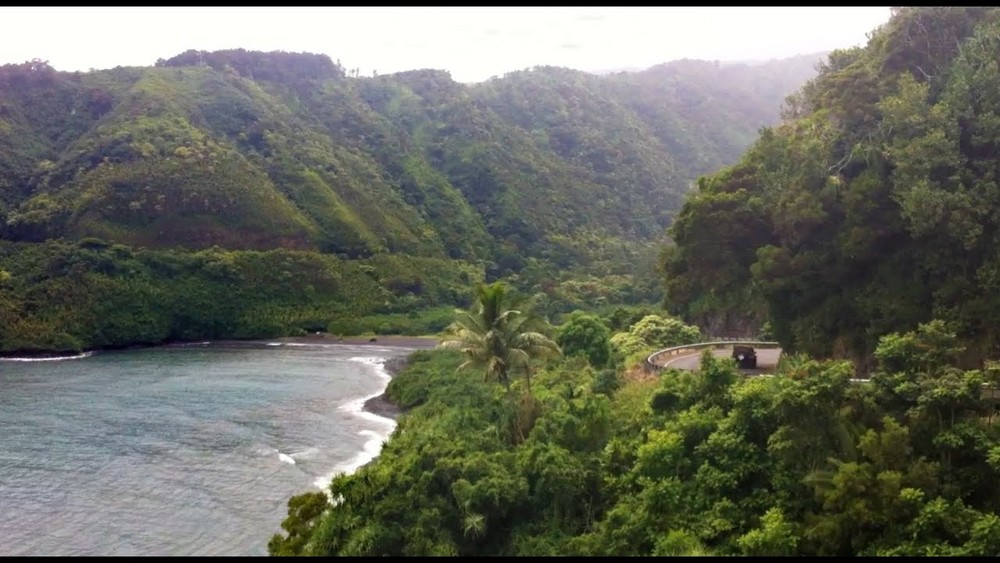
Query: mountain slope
point(277, 150)
point(246, 194)
point(872, 210)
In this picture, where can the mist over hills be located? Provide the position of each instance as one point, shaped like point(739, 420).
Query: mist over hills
point(784, 61)
point(262, 150)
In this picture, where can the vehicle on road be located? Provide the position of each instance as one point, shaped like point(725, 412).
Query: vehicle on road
point(745, 356)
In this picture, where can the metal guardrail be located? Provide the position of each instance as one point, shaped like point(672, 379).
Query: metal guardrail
point(684, 348)
point(989, 391)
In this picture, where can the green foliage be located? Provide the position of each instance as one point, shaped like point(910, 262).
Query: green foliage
point(303, 512)
point(424, 322)
point(585, 335)
point(501, 335)
point(557, 181)
point(803, 463)
point(870, 210)
point(652, 333)
point(931, 347)
point(63, 297)
point(774, 537)
point(549, 172)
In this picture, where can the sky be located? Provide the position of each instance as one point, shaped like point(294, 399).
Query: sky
point(472, 43)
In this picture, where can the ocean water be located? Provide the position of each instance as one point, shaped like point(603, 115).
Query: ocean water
point(185, 450)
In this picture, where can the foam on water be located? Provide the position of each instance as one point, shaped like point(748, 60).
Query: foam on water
point(203, 468)
point(53, 359)
point(373, 445)
point(304, 454)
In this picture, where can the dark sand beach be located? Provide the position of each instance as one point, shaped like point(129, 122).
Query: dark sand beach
point(380, 405)
point(418, 342)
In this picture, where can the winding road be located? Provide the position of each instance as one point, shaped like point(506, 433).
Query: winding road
point(767, 362)
point(767, 359)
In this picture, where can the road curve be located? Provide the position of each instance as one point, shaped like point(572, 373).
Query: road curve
point(767, 359)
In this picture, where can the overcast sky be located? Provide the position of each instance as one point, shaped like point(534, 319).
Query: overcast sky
point(472, 43)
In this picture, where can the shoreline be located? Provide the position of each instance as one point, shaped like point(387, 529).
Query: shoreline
point(390, 341)
point(381, 404)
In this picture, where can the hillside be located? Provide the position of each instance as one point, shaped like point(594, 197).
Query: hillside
point(555, 175)
point(872, 210)
point(265, 150)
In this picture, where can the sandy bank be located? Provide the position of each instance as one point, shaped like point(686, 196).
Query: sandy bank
point(417, 342)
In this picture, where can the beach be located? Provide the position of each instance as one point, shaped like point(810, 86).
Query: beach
point(418, 342)
point(380, 405)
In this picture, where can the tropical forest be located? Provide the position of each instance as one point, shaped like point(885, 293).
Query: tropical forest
point(553, 230)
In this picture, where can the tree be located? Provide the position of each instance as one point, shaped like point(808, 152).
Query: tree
point(498, 338)
point(585, 335)
point(304, 512)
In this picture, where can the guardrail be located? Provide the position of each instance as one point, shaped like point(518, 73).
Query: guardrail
point(679, 350)
point(989, 391)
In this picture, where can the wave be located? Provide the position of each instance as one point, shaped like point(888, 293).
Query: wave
point(52, 359)
point(337, 345)
point(373, 445)
point(305, 454)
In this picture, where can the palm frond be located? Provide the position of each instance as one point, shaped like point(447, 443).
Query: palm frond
point(498, 335)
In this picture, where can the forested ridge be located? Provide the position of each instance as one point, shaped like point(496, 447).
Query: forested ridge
point(870, 209)
point(861, 232)
point(238, 168)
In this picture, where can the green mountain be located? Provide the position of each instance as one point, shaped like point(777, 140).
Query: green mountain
point(550, 174)
point(873, 209)
point(275, 150)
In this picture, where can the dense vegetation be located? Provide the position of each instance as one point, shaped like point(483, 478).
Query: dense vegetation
point(803, 463)
point(863, 230)
point(560, 181)
point(871, 209)
point(72, 296)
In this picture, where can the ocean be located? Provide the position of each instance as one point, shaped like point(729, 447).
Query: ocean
point(180, 450)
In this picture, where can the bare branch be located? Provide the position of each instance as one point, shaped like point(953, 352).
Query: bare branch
point(927, 76)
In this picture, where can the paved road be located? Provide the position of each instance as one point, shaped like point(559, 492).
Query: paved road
point(767, 359)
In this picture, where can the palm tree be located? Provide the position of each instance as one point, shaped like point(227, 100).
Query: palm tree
point(498, 338)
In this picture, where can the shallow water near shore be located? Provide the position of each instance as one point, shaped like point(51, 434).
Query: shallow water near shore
point(181, 450)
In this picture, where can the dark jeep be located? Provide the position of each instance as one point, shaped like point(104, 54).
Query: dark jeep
point(745, 356)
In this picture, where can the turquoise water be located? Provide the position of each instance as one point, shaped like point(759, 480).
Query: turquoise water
point(187, 450)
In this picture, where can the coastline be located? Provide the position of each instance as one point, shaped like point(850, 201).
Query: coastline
point(392, 341)
point(382, 405)
point(379, 405)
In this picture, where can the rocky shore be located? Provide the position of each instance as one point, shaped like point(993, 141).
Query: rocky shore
point(382, 405)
